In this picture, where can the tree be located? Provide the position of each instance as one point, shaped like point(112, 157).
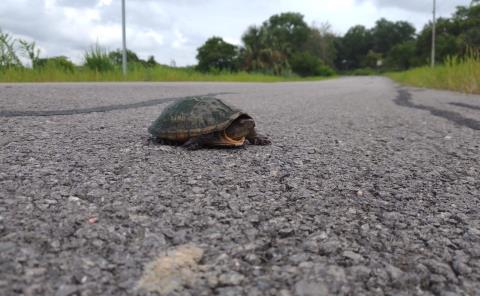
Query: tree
point(151, 62)
point(353, 47)
point(467, 19)
point(217, 54)
point(402, 56)
point(361, 47)
point(446, 40)
point(30, 51)
point(274, 61)
point(8, 56)
point(321, 43)
point(285, 32)
point(250, 54)
point(282, 40)
point(387, 34)
point(372, 59)
point(132, 58)
point(117, 56)
point(471, 38)
point(269, 47)
point(258, 56)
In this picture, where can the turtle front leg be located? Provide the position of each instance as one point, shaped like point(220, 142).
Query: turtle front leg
point(193, 144)
point(159, 141)
point(196, 143)
point(257, 139)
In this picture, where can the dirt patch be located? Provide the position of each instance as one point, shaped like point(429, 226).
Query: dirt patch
point(172, 271)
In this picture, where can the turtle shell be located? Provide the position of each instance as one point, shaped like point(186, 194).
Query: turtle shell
point(193, 116)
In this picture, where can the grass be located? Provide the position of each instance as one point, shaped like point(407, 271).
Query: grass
point(157, 73)
point(455, 74)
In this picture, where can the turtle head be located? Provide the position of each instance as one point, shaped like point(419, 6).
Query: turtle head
point(240, 127)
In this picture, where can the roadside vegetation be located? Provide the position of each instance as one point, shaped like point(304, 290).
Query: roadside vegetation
point(457, 74)
point(102, 65)
point(156, 73)
point(282, 48)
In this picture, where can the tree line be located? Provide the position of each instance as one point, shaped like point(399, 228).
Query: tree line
point(285, 44)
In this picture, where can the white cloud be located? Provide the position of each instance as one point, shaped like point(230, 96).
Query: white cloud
point(180, 39)
point(104, 3)
point(82, 16)
point(443, 6)
point(106, 34)
point(233, 40)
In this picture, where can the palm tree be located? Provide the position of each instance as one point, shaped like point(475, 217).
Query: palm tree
point(253, 45)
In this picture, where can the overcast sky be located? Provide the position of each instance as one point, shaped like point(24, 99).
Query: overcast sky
point(174, 29)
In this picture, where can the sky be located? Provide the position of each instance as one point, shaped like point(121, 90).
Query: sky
point(172, 30)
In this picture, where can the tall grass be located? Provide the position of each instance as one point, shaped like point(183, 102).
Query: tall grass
point(52, 73)
point(458, 74)
point(97, 59)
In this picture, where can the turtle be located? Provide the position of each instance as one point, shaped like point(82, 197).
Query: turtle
point(204, 121)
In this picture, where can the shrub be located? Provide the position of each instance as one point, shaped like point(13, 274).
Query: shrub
point(60, 62)
point(306, 64)
point(217, 54)
point(8, 55)
point(97, 59)
point(325, 71)
point(363, 72)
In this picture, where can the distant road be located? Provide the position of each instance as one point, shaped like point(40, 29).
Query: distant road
point(368, 188)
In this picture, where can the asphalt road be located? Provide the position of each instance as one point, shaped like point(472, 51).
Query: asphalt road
point(369, 188)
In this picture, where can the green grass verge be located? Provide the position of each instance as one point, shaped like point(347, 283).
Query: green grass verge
point(158, 73)
point(455, 74)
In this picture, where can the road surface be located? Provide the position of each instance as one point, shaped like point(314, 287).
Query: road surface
point(369, 188)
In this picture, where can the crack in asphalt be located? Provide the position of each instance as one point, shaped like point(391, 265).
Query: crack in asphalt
point(404, 99)
point(31, 113)
point(473, 107)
